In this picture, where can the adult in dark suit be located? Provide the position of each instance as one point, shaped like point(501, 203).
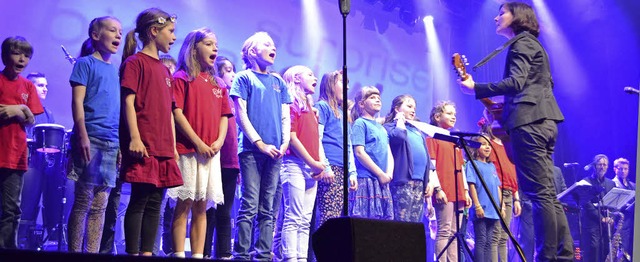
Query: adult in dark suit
point(594, 234)
point(530, 115)
point(525, 232)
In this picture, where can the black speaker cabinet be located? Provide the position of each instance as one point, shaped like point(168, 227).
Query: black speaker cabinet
point(359, 239)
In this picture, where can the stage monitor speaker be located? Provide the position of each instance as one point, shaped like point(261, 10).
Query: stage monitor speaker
point(359, 239)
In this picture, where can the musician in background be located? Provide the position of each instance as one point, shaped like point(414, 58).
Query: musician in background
point(621, 168)
point(42, 86)
point(35, 179)
point(594, 234)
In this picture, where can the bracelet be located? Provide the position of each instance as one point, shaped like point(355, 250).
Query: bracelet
point(516, 200)
point(478, 207)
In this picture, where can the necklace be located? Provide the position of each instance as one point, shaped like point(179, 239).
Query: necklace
point(206, 79)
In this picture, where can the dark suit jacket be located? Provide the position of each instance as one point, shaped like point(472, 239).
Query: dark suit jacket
point(558, 180)
point(527, 85)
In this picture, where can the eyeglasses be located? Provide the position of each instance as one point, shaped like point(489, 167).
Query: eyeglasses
point(172, 18)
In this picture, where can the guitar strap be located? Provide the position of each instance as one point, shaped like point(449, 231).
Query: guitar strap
point(497, 51)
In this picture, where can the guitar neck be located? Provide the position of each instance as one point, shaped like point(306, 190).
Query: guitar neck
point(488, 103)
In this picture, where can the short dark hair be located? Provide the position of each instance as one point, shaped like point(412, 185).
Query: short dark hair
point(33, 75)
point(524, 18)
point(15, 43)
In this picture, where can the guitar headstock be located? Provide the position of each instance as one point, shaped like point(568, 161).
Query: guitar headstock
point(459, 63)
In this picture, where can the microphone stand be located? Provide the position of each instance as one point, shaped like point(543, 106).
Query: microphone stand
point(463, 145)
point(344, 10)
point(459, 236)
point(636, 234)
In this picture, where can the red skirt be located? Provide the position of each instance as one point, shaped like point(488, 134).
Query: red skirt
point(162, 172)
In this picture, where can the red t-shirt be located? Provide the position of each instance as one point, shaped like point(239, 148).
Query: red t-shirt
point(13, 138)
point(151, 81)
point(203, 103)
point(505, 169)
point(443, 153)
point(305, 125)
point(229, 151)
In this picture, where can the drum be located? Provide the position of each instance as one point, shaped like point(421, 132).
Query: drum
point(49, 138)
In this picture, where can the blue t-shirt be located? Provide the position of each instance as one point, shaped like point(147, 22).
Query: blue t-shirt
point(490, 176)
point(333, 134)
point(371, 135)
point(418, 148)
point(264, 94)
point(102, 97)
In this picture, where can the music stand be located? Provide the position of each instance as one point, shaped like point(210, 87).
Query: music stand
point(577, 193)
point(617, 198)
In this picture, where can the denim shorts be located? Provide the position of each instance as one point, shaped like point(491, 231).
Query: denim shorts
point(102, 167)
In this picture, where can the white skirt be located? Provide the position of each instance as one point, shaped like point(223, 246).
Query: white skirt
point(202, 180)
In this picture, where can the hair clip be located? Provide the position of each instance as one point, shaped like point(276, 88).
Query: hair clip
point(172, 18)
point(482, 122)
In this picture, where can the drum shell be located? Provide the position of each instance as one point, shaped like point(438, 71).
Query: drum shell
point(48, 138)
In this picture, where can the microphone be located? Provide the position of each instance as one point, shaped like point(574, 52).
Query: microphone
point(345, 6)
point(570, 164)
point(68, 56)
point(631, 90)
point(588, 167)
point(462, 134)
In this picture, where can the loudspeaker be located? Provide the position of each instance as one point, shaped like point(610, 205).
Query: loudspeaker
point(359, 239)
point(28, 255)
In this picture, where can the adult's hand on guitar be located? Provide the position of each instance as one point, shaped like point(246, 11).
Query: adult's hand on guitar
point(467, 85)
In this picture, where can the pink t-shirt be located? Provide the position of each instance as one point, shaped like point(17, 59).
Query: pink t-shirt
point(151, 81)
point(305, 125)
point(13, 138)
point(203, 103)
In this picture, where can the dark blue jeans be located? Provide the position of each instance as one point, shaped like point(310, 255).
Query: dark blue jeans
point(483, 228)
point(10, 191)
point(260, 177)
point(533, 145)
